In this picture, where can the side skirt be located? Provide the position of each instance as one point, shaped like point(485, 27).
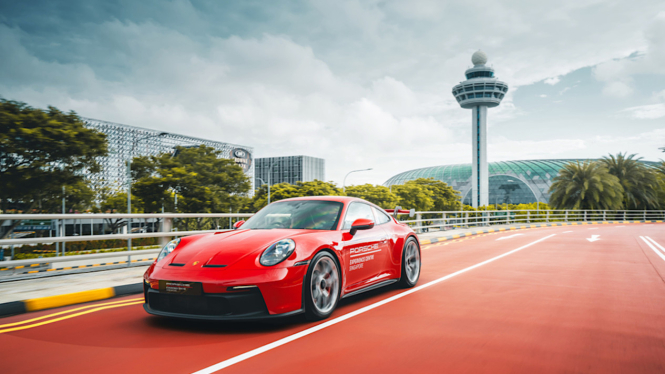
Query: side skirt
point(372, 287)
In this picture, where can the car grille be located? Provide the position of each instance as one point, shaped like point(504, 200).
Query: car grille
point(245, 303)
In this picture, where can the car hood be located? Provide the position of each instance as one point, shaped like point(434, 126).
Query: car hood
point(227, 248)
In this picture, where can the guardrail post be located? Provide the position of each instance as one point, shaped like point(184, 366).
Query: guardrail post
point(466, 220)
point(528, 216)
point(418, 223)
point(585, 216)
point(624, 215)
point(645, 215)
point(167, 226)
point(565, 218)
point(604, 215)
point(443, 220)
point(547, 216)
point(507, 217)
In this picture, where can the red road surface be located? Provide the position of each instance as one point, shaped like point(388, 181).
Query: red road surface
point(563, 304)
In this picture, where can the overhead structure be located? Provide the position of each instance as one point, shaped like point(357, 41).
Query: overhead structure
point(510, 182)
point(480, 91)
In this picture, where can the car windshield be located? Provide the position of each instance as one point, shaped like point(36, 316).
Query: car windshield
point(307, 215)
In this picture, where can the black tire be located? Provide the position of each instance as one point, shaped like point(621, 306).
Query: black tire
point(322, 287)
point(410, 270)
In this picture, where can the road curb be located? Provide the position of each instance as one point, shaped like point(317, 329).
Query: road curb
point(49, 302)
point(527, 226)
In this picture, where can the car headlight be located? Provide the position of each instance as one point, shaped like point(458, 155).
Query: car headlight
point(277, 252)
point(168, 248)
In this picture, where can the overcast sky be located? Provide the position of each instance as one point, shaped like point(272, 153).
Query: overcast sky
point(359, 83)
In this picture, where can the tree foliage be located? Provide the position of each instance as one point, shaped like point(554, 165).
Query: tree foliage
point(588, 185)
point(376, 194)
point(640, 183)
point(204, 182)
point(427, 194)
point(40, 152)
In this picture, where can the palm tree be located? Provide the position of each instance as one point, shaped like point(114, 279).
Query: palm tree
point(586, 186)
point(639, 182)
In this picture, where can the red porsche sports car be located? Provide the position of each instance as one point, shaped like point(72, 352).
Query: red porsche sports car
point(298, 255)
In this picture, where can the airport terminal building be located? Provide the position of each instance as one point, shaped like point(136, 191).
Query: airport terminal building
point(510, 182)
point(129, 141)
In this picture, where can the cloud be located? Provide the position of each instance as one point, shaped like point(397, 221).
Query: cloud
point(501, 148)
point(353, 82)
point(617, 74)
point(543, 95)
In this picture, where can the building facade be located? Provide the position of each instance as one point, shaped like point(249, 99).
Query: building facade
point(509, 182)
point(288, 169)
point(129, 141)
point(480, 91)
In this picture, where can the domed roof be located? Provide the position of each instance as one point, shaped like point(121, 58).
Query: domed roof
point(479, 58)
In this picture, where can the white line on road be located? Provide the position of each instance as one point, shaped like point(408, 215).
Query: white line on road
point(593, 238)
point(594, 228)
point(656, 244)
point(566, 232)
point(652, 247)
point(508, 237)
point(311, 330)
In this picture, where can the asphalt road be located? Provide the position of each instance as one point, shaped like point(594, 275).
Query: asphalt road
point(544, 300)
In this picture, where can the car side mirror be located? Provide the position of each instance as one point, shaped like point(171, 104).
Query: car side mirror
point(238, 224)
point(361, 224)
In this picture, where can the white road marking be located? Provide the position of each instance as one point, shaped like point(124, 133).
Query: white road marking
point(656, 244)
point(566, 232)
point(594, 228)
point(652, 247)
point(311, 330)
point(593, 238)
point(508, 237)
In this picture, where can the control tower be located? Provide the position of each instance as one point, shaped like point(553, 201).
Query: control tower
point(480, 90)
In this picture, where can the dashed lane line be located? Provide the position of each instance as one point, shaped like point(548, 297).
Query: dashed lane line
point(311, 330)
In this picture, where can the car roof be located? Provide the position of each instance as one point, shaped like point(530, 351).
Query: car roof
point(341, 199)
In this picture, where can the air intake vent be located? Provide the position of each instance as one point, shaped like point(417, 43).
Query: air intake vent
point(214, 266)
point(174, 264)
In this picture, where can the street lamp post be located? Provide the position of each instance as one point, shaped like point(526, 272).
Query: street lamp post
point(347, 174)
point(269, 180)
point(129, 184)
point(264, 182)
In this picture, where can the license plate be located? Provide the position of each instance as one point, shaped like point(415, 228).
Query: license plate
point(181, 288)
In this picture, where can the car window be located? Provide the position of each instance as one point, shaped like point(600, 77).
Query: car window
point(356, 211)
point(381, 217)
point(298, 214)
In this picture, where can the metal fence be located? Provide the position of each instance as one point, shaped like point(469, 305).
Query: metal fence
point(434, 221)
point(170, 225)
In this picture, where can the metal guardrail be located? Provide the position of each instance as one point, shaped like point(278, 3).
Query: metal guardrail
point(445, 220)
point(425, 221)
point(163, 225)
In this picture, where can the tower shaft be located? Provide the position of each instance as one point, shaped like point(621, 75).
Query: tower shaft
point(479, 173)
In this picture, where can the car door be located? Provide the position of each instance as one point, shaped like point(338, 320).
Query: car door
point(364, 253)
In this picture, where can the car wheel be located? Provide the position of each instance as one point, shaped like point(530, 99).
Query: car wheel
point(410, 264)
point(322, 287)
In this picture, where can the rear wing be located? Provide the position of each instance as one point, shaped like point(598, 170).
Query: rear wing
point(399, 210)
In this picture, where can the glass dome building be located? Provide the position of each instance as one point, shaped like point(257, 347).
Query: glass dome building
point(510, 182)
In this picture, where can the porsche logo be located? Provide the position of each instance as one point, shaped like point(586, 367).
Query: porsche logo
point(195, 263)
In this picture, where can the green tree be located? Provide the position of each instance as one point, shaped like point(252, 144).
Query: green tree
point(443, 196)
point(379, 195)
point(639, 182)
point(588, 185)
point(40, 152)
point(412, 195)
point(204, 182)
